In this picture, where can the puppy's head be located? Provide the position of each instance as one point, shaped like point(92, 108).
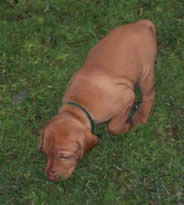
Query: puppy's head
point(64, 143)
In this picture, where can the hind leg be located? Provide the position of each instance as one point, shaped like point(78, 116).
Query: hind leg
point(148, 95)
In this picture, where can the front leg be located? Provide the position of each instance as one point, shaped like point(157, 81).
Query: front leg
point(119, 123)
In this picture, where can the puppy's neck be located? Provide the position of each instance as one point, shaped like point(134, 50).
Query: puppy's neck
point(77, 114)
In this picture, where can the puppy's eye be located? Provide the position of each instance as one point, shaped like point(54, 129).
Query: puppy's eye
point(64, 156)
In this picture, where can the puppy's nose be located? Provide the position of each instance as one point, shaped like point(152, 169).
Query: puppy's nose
point(53, 178)
point(52, 171)
point(52, 175)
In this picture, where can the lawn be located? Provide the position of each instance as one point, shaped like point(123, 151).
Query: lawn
point(41, 47)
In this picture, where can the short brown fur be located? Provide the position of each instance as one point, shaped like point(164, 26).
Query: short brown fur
point(104, 86)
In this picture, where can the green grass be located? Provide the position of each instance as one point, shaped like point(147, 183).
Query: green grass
point(38, 54)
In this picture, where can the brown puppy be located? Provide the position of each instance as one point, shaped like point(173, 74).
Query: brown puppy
point(103, 89)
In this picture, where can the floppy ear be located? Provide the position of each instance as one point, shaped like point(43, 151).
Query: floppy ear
point(87, 143)
point(40, 146)
point(92, 140)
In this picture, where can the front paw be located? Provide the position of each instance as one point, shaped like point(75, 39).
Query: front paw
point(128, 125)
point(114, 131)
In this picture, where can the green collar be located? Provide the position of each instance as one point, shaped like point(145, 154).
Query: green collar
point(86, 112)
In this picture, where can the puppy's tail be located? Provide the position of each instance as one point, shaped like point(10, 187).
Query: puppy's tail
point(150, 25)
